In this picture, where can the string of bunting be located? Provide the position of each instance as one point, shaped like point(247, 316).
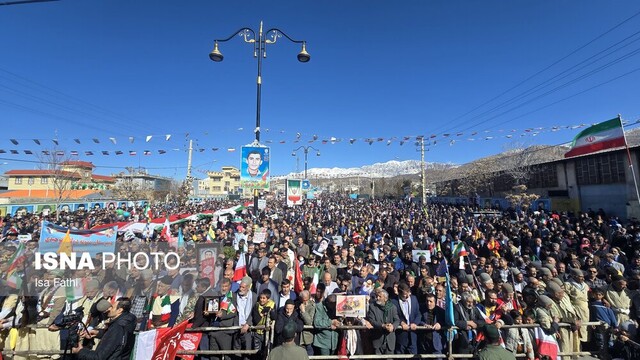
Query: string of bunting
point(431, 140)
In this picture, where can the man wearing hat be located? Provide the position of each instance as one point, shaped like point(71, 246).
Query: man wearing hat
point(578, 292)
point(619, 297)
point(563, 311)
point(288, 350)
point(486, 283)
point(166, 306)
point(493, 350)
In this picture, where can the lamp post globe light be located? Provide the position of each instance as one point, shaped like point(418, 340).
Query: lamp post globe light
point(259, 43)
point(306, 153)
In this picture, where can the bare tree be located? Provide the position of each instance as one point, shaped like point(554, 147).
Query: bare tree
point(130, 187)
point(477, 177)
point(60, 180)
point(517, 161)
point(181, 190)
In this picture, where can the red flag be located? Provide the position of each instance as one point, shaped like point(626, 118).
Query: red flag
point(167, 342)
point(298, 284)
point(189, 342)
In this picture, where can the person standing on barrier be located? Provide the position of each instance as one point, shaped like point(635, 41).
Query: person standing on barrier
point(288, 350)
point(383, 316)
point(494, 350)
point(246, 301)
point(409, 313)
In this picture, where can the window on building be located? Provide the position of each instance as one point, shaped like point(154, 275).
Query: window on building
point(543, 176)
point(31, 181)
point(217, 188)
point(18, 181)
point(44, 180)
point(601, 169)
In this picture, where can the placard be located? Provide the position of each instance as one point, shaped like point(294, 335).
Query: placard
point(415, 254)
point(260, 236)
point(337, 240)
point(351, 305)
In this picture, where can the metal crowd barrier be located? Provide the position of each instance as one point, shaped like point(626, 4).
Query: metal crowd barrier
point(269, 334)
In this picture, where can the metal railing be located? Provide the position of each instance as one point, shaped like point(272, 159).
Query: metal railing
point(269, 337)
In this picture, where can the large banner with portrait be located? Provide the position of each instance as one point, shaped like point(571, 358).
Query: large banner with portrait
point(90, 241)
point(254, 168)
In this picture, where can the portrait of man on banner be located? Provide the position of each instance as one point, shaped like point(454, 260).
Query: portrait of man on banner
point(254, 169)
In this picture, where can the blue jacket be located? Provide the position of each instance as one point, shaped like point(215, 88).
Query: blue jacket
point(599, 312)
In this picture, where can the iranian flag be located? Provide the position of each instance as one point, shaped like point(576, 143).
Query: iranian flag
point(164, 343)
point(166, 232)
point(546, 344)
point(460, 250)
point(606, 135)
point(147, 213)
point(241, 269)
point(314, 283)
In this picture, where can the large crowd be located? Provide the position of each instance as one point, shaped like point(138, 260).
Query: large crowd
point(501, 268)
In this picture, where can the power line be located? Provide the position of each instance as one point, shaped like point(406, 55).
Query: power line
point(542, 70)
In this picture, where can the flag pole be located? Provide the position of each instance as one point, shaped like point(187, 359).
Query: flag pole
point(633, 173)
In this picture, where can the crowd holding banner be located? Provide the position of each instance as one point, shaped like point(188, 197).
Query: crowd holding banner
point(405, 272)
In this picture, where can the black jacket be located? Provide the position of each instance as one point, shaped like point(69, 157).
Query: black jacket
point(116, 343)
point(282, 320)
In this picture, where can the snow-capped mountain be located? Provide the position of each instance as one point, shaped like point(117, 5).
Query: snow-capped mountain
point(378, 170)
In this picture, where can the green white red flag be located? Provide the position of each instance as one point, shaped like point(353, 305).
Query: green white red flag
point(602, 136)
point(159, 344)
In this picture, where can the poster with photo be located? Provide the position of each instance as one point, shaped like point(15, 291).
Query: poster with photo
point(321, 247)
point(254, 168)
point(415, 255)
point(351, 305)
point(207, 255)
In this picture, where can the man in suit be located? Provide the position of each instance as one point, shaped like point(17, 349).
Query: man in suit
point(246, 300)
point(410, 317)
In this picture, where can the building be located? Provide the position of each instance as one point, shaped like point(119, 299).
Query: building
point(600, 180)
point(220, 184)
point(141, 179)
point(70, 175)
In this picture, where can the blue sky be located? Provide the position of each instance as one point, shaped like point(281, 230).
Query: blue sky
point(83, 69)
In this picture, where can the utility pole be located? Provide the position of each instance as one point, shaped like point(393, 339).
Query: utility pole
point(422, 166)
point(189, 160)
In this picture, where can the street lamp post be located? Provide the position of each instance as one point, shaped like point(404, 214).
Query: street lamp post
point(259, 51)
point(306, 153)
